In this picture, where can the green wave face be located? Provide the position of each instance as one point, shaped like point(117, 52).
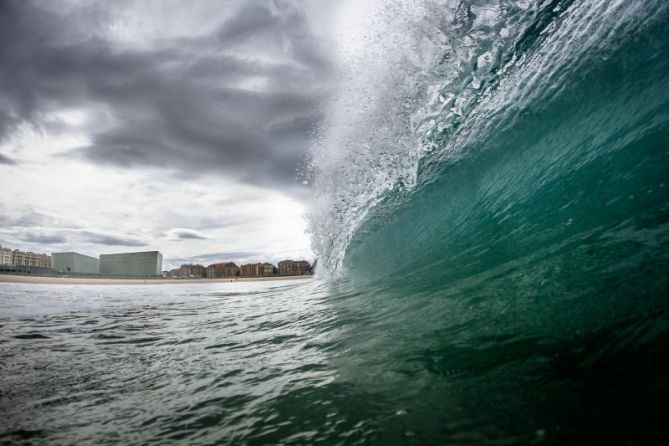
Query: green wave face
point(573, 196)
point(501, 241)
point(490, 116)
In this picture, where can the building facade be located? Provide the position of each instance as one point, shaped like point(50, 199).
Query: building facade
point(21, 258)
point(174, 272)
point(73, 262)
point(257, 270)
point(218, 270)
point(132, 264)
point(294, 268)
point(6, 255)
point(195, 271)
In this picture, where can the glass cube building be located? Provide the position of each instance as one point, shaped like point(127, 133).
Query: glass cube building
point(132, 264)
point(73, 262)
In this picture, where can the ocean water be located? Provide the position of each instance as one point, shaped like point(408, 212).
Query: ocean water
point(491, 219)
point(229, 363)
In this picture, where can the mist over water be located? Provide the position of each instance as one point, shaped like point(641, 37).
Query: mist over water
point(492, 227)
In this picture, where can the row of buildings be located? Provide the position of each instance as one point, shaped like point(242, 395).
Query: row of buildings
point(231, 270)
point(141, 264)
point(133, 264)
point(127, 264)
point(14, 257)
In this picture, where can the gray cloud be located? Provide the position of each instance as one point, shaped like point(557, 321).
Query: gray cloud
point(44, 239)
point(240, 101)
point(111, 240)
point(5, 159)
point(25, 218)
point(185, 234)
point(188, 235)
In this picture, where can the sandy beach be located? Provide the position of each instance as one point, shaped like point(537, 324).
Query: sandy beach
point(106, 281)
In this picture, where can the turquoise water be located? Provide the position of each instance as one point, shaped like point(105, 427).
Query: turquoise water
point(505, 220)
point(492, 224)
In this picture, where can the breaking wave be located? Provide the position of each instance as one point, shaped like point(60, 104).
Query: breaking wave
point(427, 85)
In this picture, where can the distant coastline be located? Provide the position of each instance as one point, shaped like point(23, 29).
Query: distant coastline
point(11, 278)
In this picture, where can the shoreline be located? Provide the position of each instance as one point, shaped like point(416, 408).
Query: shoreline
point(12, 278)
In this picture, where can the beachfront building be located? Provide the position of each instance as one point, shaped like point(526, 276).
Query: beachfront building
point(194, 271)
point(32, 259)
point(218, 270)
point(173, 273)
point(44, 261)
point(73, 262)
point(132, 264)
point(6, 255)
point(257, 270)
point(15, 257)
point(294, 268)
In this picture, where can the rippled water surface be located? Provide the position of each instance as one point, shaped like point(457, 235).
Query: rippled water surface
point(302, 362)
point(202, 363)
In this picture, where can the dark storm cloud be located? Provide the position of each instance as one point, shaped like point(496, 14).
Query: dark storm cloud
point(241, 100)
point(6, 160)
point(111, 240)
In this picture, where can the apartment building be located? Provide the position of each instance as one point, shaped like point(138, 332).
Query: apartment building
point(257, 270)
point(21, 258)
point(294, 268)
point(226, 269)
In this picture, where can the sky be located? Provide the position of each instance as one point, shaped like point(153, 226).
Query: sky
point(150, 125)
